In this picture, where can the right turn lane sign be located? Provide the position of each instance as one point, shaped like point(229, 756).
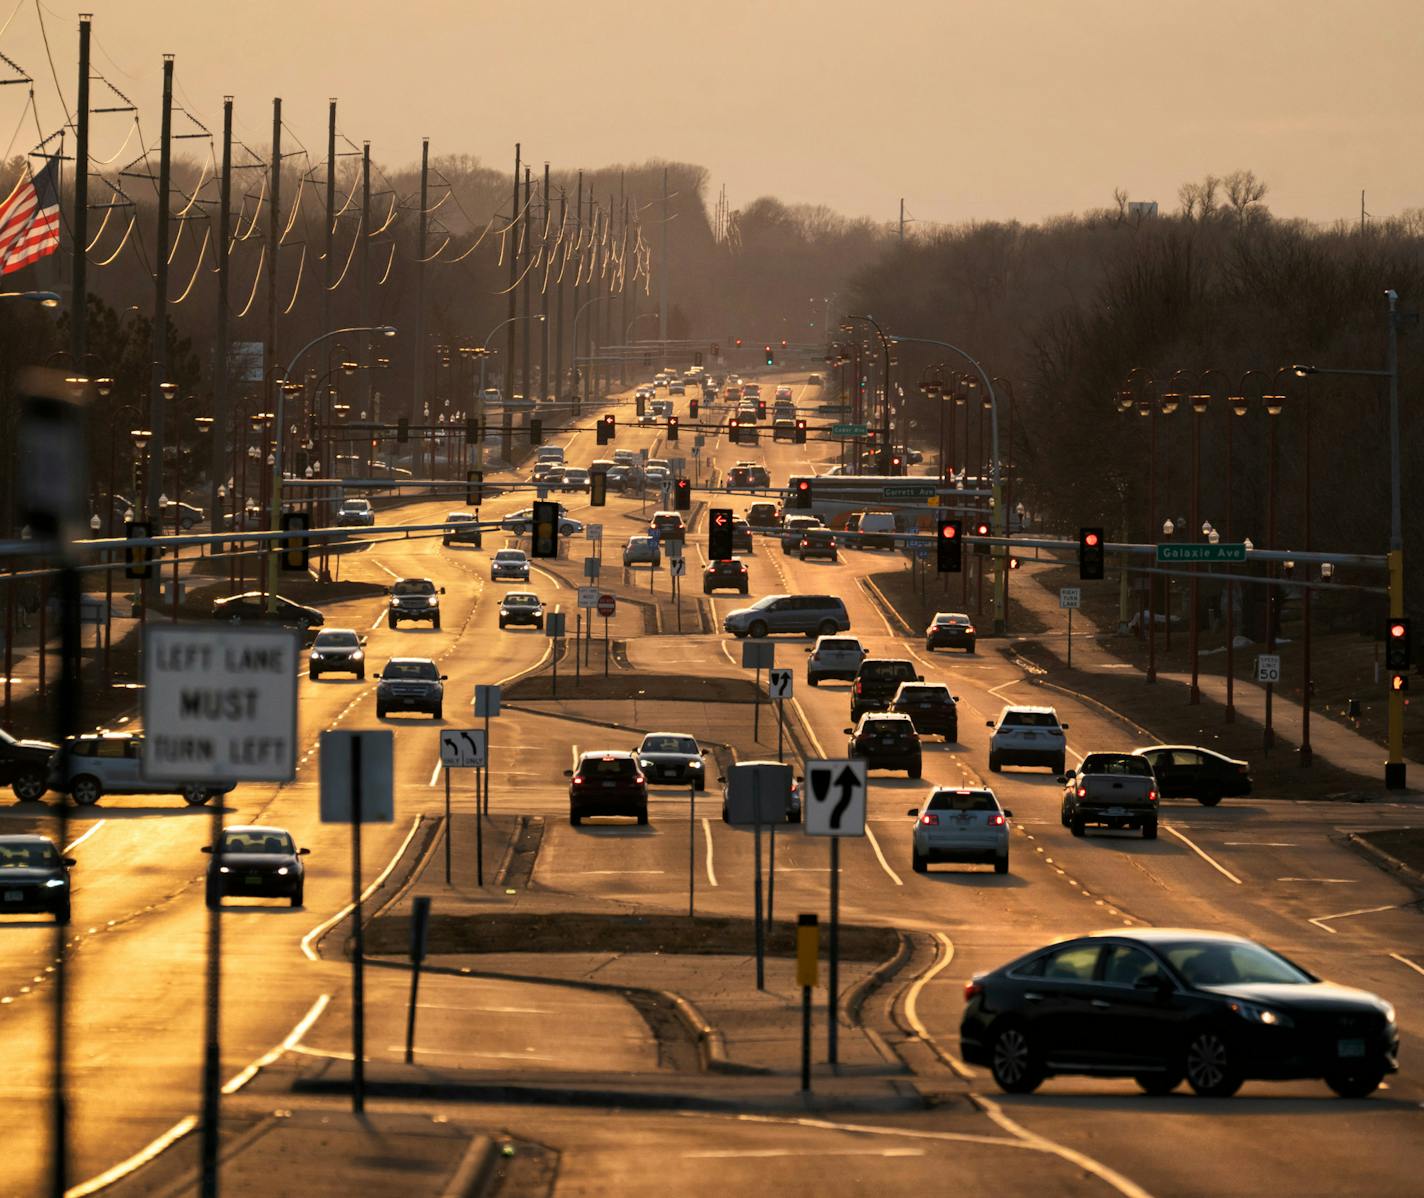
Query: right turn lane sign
point(835, 798)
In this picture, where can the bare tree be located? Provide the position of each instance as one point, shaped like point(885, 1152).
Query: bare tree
point(1244, 192)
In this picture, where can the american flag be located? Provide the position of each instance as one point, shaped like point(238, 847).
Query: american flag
point(29, 219)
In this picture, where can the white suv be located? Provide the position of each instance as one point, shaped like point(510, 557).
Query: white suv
point(834, 657)
point(1027, 736)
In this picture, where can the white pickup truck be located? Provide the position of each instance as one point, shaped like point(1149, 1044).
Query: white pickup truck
point(1111, 790)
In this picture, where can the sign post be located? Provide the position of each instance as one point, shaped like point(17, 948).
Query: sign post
point(486, 705)
point(808, 949)
point(357, 786)
point(833, 804)
point(463, 750)
point(779, 687)
point(607, 605)
point(758, 792)
point(1070, 598)
point(419, 926)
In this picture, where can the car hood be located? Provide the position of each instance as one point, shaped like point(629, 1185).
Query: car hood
point(26, 877)
point(258, 861)
point(1313, 997)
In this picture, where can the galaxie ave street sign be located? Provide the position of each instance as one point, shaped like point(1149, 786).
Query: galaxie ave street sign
point(1200, 552)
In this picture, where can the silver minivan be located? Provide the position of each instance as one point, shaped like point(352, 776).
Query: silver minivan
point(810, 615)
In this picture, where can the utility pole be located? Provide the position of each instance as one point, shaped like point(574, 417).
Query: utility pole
point(663, 279)
point(559, 297)
point(527, 241)
point(578, 285)
point(160, 300)
point(222, 423)
point(512, 247)
point(418, 393)
point(626, 287)
point(544, 291)
point(274, 237)
point(366, 276)
point(326, 301)
point(79, 303)
point(902, 218)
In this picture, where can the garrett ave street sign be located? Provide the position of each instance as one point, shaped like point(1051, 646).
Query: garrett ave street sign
point(1200, 552)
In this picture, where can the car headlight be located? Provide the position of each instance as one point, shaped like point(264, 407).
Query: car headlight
point(538, 611)
point(504, 611)
point(223, 869)
point(358, 656)
point(52, 882)
point(316, 656)
point(1388, 1009)
point(1253, 1013)
point(433, 601)
point(646, 765)
point(282, 871)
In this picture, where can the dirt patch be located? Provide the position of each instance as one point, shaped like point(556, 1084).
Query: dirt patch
point(518, 932)
point(1405, 845)
point(639, 686)
point(1278, 773)
point(917, 594)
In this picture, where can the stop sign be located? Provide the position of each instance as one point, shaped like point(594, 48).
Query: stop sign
point(606, 605)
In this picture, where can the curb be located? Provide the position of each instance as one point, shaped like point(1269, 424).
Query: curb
point(711, 1043)
point(474, 1169)
point(1386, 860)
point(877, 596)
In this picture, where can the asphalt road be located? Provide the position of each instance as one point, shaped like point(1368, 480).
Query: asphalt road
point(1267, 867)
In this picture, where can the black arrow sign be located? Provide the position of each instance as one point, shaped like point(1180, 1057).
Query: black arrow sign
point(849, 783)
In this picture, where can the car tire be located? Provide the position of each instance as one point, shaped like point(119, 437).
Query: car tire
point(1158, 1084)
point(435, 623)
point(1058, 766)
point(361, 675)
point(1209, 1064)
point(313, 675)
point(195, 795)
point(86, 790)
point(62, 915)
point(575, 819)
point(828, 628)
point(1149, 830)
point(439, 712)
point(706, 590)
point(297, 897)
point(994, 766)
point(1001, 865)
point(743, 592)
point(1013, 1061)
point(643, 818)
point(812, 680)
point(392, 622)
point(380, 712)
point(969, 648)
point(914, 771)
point(1209, 797)
point(30, 785)
point(501, 622)
point(1077, 826)
point(928, 647)
point(919, 862)
point(1356, 1083)
point(757, 630)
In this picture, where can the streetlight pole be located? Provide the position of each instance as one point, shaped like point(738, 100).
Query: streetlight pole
point(276, 497)
point(484, 353)
point(582, 375)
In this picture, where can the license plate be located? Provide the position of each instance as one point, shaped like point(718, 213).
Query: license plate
point(1350, 1048)
point(669, 771)
point(609, 785)
point(1117, 811)
point(254, 880)
point(14, 896)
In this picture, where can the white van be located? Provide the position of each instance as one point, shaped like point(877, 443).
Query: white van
point(550, 453)
point(876, 531)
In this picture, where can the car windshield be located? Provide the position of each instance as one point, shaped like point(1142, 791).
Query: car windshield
point(669, 744)
point(336, 640)
point(963, 800)
point(919, 693)
point(28, 856)
point(1214, 963)
point(456, 517)
point(942, 619)
point(417, 670)
point(765, 601)
point(521, 600)
point(257, 840)
point(357, 505)
point(840, 646)
point(1030, 719)
point(1122, 764)
point(414, 586)
point(509, 555)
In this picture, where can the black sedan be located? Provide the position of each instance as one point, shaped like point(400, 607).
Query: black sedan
point(1162, 1004)
point(34, 878)
point(1191, 772)
point(25, 766)
point(255, 862)
point(672, 757)
point(251, 608)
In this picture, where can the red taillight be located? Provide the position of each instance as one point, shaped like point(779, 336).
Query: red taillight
point(972, 988)
point(1151, 796)
point(929, 819)
point(741, 569)
point(996, 821)
point(639, 779)
point(578, 779)
point(857, 686)
point(1082, 792)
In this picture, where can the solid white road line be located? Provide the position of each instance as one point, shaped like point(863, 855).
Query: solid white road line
point(385, 567)
point(140, 1158)
point(771, 1153)
point(310, 940)
point(885, 865)
point(912, 1004)
point(435, 773)
point(74, 844)
point(1406, 961)
point(293, 1038)
point(1216, 865)
point(1321, 921)
point(707, 832)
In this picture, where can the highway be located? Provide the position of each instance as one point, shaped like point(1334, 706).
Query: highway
point(1268, 867)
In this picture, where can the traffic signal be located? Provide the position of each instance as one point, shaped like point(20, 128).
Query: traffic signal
point(719, 534)
point(949, 547)
point(802, 491)
point(577, 401)
point(473, 432)
point(402, 430)
point(536, 431)
point(739, 343)
point(692, 408)
point(1090, 553)
point(800, 432)
point(138, 561)
point(640, 404)
point(783, 343)
point(598, 489)
point(672, 429)
point(611, 426)
point(896, 462)
point(544, 540)
point(600, 433)
point(295, 551)
point(770, 357)
point(1013, 563)
point(982, 529)
point(716, 350)
point(734, 430)
point(1398, 650)
point(1399, 683)
point(682, 495)
point(761, 409)
point(697, 358)
point(474, 487)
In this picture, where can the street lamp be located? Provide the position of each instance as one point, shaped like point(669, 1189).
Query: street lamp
point(45, 299)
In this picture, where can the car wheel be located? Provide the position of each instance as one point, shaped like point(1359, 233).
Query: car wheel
point(361, 675)
point(1001, 865)
point(1158, 1084)
point(501, 622)
point(1209, 798)
point(1357, 1083)
point(1058, 766)
point(914, 771)
point(969, 648)
point(61, 917)
point(1077, 826)
point(439, 712)
point(994, 766)
point(392, 622)
point(919, 862)
point(928, 647)
point(576, 820)
point(436, 623)
point(744, 592)
point(195, 795)
point(1063, 815)
point(29, 786)
point(643, 818)
point(1013, 1061)
point(706, 590)
point(212, 895)
point(313, 675)
point(757, 630)
point(813, 680)
point(86, 790)
point(297, 897)
point(1209, 1067)
point(1149, 830)
point(380, 712)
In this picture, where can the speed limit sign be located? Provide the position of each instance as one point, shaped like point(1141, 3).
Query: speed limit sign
point(1268, 667)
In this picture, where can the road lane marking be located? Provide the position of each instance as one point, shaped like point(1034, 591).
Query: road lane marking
point(378, 621)
point(310, 939)
point(1259, 844)
point(435, 773)
point(293, 1038)
point(870, 1129)
point(707, 832)
point(806, 724)
point(1216, 865)
point(771, 1153)
point(74, 844)
point(1322, 920)
point(386, 568)
point(1323, 881)
point(885, 865)
point(1406, 961)
point(1005, 686)
point(148, 1152)
point(875, 606)
point(912, 1005)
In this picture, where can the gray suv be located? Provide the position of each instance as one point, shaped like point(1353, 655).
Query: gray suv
point(410, 684)
point(810, 615)
point(414, 599)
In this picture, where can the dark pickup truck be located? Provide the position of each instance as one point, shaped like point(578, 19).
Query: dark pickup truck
point(1111, 790)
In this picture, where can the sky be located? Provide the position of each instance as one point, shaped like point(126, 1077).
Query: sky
point(968, 109)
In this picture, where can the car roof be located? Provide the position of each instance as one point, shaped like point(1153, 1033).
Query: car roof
point(264, 828)
point(327, 631)
point(669, 732)
point(897, 716)
point(411, 661)
point(461, 516)
point(509, 553)
point(1187, 748)
point(25, 838)
point(414, 579)
point(1029, 708)
point(1170, 935)
point(951, 615)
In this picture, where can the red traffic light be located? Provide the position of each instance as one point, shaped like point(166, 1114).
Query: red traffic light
point(1090, 539)
point(948, 530)
point(721, 518)
point(783, 343)
point(739, 343)
point(1398, 629)
point(803, 484)
point(981, 529)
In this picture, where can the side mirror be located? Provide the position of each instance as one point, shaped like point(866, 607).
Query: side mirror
point(919, 677)
point(704, 752)
point(1008, 814)
point(442, 590)
point(69, 861)
point(363, 640)
point(848, 731)
point(303, 852)
point(988, 723)
point(913, 812)
point(444, 677)
point(721, 779)
point(807, 650)
point(568, 773)
point(207, 848)
point(377, 674)
point(1062, 779)
point(1064, 727)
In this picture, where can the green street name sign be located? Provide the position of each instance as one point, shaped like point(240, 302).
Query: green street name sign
point(1177, 554)
point(909, 492)
point(848, 430)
